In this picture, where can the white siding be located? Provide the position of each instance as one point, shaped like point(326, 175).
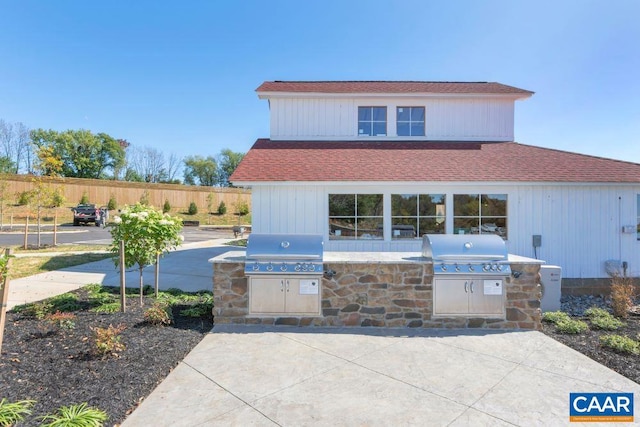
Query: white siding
point(468, 119)
point(580, 224)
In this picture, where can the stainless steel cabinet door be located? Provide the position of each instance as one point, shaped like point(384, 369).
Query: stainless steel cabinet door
point(484, 304)
point(302, 296)
point(266, 295)
point(450, 297)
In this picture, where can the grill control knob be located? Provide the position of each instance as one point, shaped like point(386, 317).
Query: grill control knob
point(486, 267)
point(270, 267)
point(494, 267)
point(499, 268)
point(256, 267)
point(283, 267)
point(312, 267)
point(298, 267)
point(471, 268)
point(304, 267)
point(443, 267)
point(457, 267)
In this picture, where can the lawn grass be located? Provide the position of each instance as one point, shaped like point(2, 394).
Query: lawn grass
point(61, 248)
point(28, 266)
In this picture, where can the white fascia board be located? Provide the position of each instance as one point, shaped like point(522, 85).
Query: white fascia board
point(512, 96)
point(351, 138)
point(249, 184)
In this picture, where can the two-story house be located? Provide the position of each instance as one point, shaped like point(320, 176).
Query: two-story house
point(372, 166)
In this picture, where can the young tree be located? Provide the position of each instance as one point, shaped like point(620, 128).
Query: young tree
point(147, 233)
point(15, 145)
point(81, 153)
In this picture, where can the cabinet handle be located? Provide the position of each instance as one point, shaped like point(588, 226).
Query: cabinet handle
point(287, 286)
point(281, 285)
point(471, 286)
point(466, 287)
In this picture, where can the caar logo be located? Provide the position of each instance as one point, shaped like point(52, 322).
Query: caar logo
point(601, 407)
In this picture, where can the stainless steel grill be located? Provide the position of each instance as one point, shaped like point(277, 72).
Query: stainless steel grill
point(284, 254)
point(465, 254)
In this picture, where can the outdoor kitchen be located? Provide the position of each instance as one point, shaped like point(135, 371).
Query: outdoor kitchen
point(457, 281)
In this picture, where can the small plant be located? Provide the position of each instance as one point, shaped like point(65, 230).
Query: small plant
point(80, 415)
point(193, 208)
point(166, 208)
point(112, 205)
point(222, 208)
point(622, 294)
point(243, 208)
point(594, 312)
point(158, 314)
point(555, 317)
point(12, 413)
point(144, 198)
point(57, 199)
point(62, 320)
point(84, 199)
point(108, 341)
point(198, 310)
point(572, 327)
point(23, 199)
point(66, 302)
point(35, 309)
point(620, 344)
point(107, 307)
point(602, 319)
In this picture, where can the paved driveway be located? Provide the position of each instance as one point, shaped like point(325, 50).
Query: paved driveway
point(367, 377)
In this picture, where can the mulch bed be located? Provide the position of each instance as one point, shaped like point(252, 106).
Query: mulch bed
point(58, 367)
point(588, 343)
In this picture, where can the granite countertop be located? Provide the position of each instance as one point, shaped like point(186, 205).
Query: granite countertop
point(368, 258)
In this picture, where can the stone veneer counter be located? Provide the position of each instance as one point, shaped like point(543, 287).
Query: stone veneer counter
point(386, 289)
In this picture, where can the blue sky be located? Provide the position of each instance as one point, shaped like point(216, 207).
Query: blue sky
point(180, 76)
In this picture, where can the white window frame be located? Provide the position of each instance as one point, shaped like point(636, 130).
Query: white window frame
point(410, 122)
point(372, 121)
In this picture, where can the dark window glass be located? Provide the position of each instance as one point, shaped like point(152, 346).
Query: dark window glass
point(480, 214)
point(413, 215)
point(355, 216)
point(410, 121)
point(372, 121)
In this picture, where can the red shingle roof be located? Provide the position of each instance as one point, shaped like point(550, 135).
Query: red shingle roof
point(391, 87)
point(424, 161)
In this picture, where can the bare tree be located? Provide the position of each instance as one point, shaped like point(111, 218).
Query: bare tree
point(15, 145)
point(148, 163)
point(174, 163)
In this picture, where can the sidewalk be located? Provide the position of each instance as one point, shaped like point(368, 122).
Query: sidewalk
point(186, 268)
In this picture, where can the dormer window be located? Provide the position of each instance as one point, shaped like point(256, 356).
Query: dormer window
point(372, 121)
point(410, 121)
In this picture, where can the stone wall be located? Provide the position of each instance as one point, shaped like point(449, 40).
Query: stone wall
point(379, 294)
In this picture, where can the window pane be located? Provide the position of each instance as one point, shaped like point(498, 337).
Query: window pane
point(494, 205)
point(369, 228)
point(431, 205)
point(466, 226)
point(417, 114)
point(494, 226)
point(342, 205)
point(404, 129)
point(404, 114)
point(364, 128)
point(466, 205)
point(342, 228)
point(369, 205)
point(364, 114)
point(431, 226)
point(417, 129)
point(379, 129)
point(404, 204)
point(404, 228)
point(379, 114)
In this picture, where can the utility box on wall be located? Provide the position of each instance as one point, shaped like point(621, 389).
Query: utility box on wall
point(551, 283)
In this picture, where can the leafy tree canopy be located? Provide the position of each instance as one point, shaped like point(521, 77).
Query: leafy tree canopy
point(77, 153)
point(200, 171)
point(228, 162)
point(6, 165)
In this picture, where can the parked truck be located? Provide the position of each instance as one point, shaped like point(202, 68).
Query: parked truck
point(86, 213)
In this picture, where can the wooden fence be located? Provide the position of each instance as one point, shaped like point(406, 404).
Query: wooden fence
point(129, 193)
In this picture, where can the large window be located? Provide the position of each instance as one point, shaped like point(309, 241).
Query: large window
point(480, 214)
point(355, 216)
point(413, 215)
point(372, 121)
point(410, 121)
point(638, 214)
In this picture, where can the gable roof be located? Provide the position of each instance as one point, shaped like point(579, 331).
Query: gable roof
point(424, 161)
point(396, 87)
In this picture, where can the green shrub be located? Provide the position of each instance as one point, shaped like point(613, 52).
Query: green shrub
point(112, 205)
point(75, 416)
point(607, 323)
point(198, 310)
point(193, 209)
point(35, 309)
point(572, 326)
point(62, 320)
point(555, 317)
point(12, 413)
point(166, 208)
point(620, 344)
point(594, 312)
point(222, 208)
point(144, 199)
point(64, 302)
point(243, 208)
point(622, 295)
point(57, 199)
point(107, 307)
point(158, 314)
point(23, 199)
point(84, 199)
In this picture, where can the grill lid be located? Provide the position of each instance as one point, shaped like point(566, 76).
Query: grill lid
point(279, 247)
point(464, 247)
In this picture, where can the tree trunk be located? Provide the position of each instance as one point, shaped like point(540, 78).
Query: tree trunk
point(157, 273)
point(4, 297)
point(39, 227)
point(141, 286)
point(123, 288)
